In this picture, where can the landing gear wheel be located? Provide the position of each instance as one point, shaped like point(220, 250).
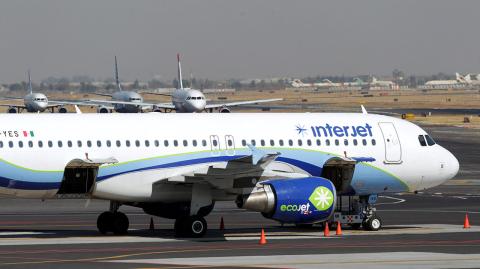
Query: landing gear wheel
point(120, 223)
point(104, 222)
point(374, 223)
point(194, 226)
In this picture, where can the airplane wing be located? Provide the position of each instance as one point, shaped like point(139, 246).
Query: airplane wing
point(230, 173)
point(240, 103)
point(11, 105)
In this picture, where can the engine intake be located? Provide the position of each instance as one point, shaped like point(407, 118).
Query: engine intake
point(301, 200)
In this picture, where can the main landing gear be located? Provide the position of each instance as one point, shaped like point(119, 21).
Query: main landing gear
point(193, 226)
point(113, 221)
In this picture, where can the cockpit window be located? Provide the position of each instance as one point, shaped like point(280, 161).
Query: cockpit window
point(421, 138)
point(430, 140)
point(188, 98)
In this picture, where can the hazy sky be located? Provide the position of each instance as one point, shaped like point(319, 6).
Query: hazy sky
point(240, 39)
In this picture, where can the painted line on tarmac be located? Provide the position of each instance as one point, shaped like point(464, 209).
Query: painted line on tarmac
point(352, 260)
point(397, 200)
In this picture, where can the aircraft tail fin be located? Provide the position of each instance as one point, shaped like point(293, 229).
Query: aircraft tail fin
point(117, 81)
point(180, 83)
point(468, 78)
point(30, 89)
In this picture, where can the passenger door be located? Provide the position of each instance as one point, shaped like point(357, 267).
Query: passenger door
point(215, 145)
point(393, 148)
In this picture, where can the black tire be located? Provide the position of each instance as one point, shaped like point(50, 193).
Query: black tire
point(374, 223)
point(120, 223)
point(104, 222)
point(194, 226)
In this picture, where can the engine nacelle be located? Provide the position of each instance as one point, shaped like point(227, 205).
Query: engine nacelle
point(12, 110)
point(62, 109)
point(103, 109)
point(224, 110)
point(301, 200)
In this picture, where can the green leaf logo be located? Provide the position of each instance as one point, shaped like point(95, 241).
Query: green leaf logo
point(321, 198)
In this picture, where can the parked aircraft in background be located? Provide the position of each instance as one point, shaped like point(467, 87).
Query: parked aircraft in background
point(291, 167)
point(33, 102)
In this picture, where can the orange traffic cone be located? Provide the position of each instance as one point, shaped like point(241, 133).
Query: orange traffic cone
point(326, 230)
point(466, 223)
point(222, 225)
point(339, 228)
point(263, 240)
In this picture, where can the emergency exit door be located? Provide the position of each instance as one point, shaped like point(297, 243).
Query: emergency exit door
point(393, 148)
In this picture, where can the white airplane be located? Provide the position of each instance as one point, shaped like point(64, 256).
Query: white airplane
point(292, 167)
point(187, 100)
point(33, 102)
point(121, 101)
point(459, 81)
point(381, 83)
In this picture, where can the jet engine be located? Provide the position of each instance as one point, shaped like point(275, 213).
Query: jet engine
point(103, 109)
point(12, 110)
point(62, 109)
point(300, 201)
point(224, 110)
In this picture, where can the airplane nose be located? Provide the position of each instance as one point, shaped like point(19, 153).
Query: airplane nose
point(453, 166)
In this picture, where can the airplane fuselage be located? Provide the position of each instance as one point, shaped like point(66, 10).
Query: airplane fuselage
point(188, 100)
point(127, 96)
point(35, 102)
point(35, 149)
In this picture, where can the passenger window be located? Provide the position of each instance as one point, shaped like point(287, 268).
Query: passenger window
point(280, 142)
point(147, 143)
point(204, 142)
point(262, 142)
point(119, 144)
point(79, 143)
point(309, 142)
point(345, 142)
point(175, 143)
point(327, 142)
point(319, 142)
point(40, 144)
point(157, 144)
point(69, 143)
point(272, 143)
point(290, 142)
point(374, 142)
point(253, 142)
point(364, 142)
point(50, 144)
point(30, 144)
point(99, 143)
point(194, 143)
point(10, 144)
point(1, 144)
point(244, 143)
point(337, 142)
point(430, 140)
point(230, 143)
point(185, 143)
point(20, 144)
point(89, 143)
point(127, 143)
point(215, 142)
point(355, 142)
point(109, 143)
point(60, 144)
point(422, 141)
point(299, 142)
point(137, 143)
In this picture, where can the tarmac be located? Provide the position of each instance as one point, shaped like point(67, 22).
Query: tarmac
point(420, 230)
